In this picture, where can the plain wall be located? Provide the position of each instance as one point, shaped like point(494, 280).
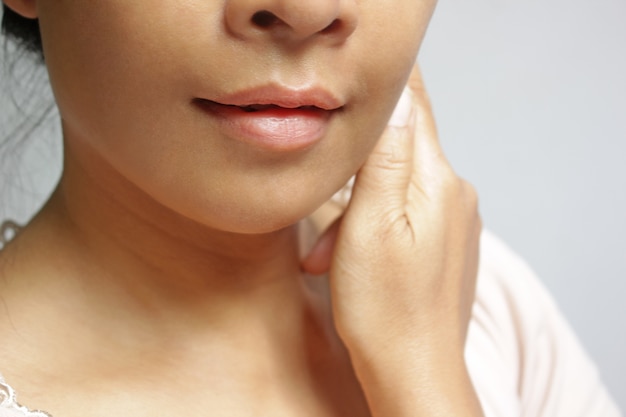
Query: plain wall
point(530, 99)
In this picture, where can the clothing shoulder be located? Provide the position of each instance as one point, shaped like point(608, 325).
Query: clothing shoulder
point(523, 356)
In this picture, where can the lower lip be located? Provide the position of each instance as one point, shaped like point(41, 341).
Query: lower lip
point(277, 129)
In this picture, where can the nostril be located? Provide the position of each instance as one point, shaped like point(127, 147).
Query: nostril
point(334, 26)
point(264, 19)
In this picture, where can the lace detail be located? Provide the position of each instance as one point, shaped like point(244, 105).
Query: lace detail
point(8, 397)
point(8, 400)
point(8, 230)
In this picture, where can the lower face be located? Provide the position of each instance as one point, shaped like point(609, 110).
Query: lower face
point(196, 110)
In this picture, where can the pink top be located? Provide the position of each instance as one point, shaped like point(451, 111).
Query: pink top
point(523, 358)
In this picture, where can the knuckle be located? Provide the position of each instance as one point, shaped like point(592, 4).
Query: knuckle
point(471, 194)
point(462, 196)
point(471, 203)
point(390, 158)
point(479, 224)
point(451, 184)
point(387, 163)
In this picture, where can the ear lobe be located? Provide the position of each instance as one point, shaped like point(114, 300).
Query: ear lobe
point(25, 8)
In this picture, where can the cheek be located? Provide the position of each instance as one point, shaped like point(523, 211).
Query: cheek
point(386, 53)
point(105, 61)
point(121, 87)
point(119, 82)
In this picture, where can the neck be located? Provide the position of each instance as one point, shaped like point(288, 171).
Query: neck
point(161, 268)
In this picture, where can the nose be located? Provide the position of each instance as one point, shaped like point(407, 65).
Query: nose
point(291, 20)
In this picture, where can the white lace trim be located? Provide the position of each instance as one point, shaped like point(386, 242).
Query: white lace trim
point(8, 397)
point(8, 230)
point(8, 401)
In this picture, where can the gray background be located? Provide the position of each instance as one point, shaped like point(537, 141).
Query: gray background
point(530, 97)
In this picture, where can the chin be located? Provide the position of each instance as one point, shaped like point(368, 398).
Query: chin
point(248, 217)
point(259, 223)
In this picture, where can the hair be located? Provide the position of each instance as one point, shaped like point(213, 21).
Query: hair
point(22, 75)
point(25, 32)
point(27, 116)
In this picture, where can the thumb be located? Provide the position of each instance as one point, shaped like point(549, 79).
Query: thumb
point(319, 258)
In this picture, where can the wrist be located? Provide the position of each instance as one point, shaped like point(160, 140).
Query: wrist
point(408, 382)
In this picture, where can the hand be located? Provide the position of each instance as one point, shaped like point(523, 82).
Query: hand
point(402, 264)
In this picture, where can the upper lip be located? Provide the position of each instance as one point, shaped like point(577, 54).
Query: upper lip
point(281, 96)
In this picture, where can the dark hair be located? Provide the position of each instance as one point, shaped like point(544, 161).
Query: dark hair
point(28, 111)
point(25, 32)
point(20, 80)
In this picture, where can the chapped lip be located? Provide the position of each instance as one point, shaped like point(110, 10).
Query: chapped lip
point(279, 96)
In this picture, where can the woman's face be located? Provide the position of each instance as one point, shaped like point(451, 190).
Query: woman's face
point(161, 91)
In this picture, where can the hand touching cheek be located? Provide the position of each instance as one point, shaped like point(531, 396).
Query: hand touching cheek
point(403, 262)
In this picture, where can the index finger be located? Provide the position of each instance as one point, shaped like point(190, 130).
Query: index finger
point(426, 136)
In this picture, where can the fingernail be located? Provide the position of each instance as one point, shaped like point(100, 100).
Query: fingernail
point(402, 112)
point(342, 197)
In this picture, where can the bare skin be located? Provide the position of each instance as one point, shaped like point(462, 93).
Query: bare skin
point(145, 283)
point(259, 364)
point(79, 340)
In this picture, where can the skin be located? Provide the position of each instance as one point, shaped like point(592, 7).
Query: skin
point(167, 266)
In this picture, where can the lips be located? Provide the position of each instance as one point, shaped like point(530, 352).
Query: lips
point(251, 108)
point(272, 117)
point(281, 96)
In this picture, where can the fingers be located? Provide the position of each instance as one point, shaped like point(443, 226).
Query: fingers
point(384, 177)
point(416, 82)
point(319, 258)
point(382, 181)
point(406, 159)
point(427, 144)
point(342, 197)
point(408, 163)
